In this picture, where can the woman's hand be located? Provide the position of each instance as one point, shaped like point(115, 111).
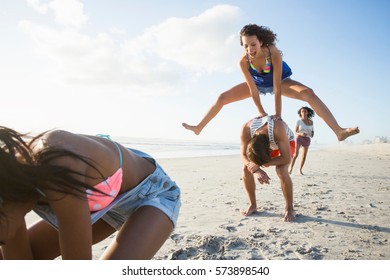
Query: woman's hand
point(262, 176)
point(252, 167)
point(276, 117)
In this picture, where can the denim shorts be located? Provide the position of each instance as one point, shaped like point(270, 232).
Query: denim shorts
point(265, 90)
point(157, 190)
point(270, 90)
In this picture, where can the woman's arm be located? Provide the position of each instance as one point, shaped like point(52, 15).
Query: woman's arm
point(245, 138)
point(296, 130)
point(312, 130)
point(71, 206)
point(251, 85)
point(261, 175)
point(283, 145)
point(277, 78)
point(74, 226)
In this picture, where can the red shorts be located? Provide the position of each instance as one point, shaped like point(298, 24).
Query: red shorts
point(275, 153)
point(303, 141)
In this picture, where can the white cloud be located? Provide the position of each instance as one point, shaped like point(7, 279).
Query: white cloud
point(94, 59)
point(154, 61)
point(68, 13)
point(202, 43)
point(41, 8)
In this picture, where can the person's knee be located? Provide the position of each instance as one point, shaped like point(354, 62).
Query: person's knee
point(245, 171)
point(309, 95)
point(225, 97)
point(221, 100)
point(247, 176)
point(282, 172)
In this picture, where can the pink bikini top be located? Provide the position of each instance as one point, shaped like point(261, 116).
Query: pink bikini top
point(110, 187)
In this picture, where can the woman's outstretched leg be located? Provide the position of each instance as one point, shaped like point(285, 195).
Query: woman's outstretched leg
point(296, 90)
point(234, 94)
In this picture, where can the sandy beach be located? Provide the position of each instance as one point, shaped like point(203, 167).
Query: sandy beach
point(342, 202)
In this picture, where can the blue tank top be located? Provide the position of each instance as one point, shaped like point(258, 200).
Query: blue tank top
point(266, 79)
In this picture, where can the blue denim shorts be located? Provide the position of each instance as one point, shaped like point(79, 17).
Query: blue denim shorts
point(157, 190)
point(270, 90)
point(265, 90)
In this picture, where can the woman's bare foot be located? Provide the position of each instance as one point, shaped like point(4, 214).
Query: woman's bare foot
point(193, 128)
point(346, 132)
point(300, 171)
point(289, 216)
point(251, 210)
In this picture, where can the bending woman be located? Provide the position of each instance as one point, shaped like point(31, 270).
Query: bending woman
point(265, 72)
point(267, 141)
point(85, 188)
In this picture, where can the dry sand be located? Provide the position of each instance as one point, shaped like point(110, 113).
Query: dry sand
point(342, 202)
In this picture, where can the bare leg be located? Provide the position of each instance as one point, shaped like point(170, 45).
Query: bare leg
point(287, 189)
point(305, 150)
point(234, 94)
point(141, 236)
point(45, 243)
point(250, 189)
point(296, 154)
point(296, 90)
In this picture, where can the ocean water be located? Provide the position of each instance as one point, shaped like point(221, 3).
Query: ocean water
point(168, 148)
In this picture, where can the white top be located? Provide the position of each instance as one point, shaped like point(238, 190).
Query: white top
point(304, 128)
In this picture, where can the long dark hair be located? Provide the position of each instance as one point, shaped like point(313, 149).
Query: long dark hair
point(25, 174)
point(310, 112)
point(263, 34)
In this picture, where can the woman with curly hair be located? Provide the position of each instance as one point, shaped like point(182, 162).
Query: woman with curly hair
point(84, 188)
point(304, 131)
point(265, 72)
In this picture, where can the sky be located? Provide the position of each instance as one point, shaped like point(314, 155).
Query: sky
point(141, 68)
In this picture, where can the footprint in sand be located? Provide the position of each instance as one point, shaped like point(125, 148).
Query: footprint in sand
point(313, 252)
point(216, 248)
point(229, 228)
